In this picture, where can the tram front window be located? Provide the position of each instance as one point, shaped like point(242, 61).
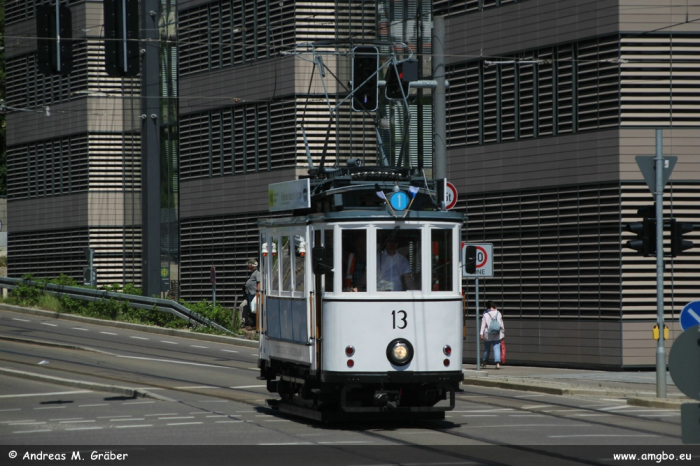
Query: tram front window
point(354, 260)
point(398, 260)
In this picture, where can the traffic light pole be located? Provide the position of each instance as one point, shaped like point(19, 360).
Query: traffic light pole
point(659, 198)
point(478, 327)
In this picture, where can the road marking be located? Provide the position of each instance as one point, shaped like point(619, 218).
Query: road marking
point(526, 415)
point(162, 414)
point(21, 320)
point(170, 360)
point(170, 342)
point(11, 409)
point(21, 420)
point(75, 422)
point(85, 428)
point(109, 333)
point(139, 338)
point(197, 346)
point(66, 419)
point(27, 423)
point(479, 415)
point(601, 435)
point(494, 410)
point(128, 419)
point(138, 402)
point(525, 425)
point(52, 407)
point(50, 325)
point(96, 404)
point(248, 386)
point(612, 408)
point(31, 431)
point(194, 386)
point(229, 351)
point(133, 427)
point(535, 406)
point(80, 328)
point(22, 395)
point(183, 423)
point(113, 417)
point(176, 417)
point(228, 422)
point(592, 415)
point(290, 443)
point(660, 415)
point(348, 442)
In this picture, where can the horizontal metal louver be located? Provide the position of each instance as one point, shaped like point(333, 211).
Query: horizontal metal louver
point(47, 254)
point(561, 89)
point(556, 249)
point(660, 81)
point(21, 10)
point(450, 8)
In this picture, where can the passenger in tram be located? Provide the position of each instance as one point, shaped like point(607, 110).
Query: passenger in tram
point(393, 269)
point(251, 288)
point(355, 260)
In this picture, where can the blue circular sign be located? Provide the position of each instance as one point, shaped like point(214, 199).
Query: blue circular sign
point(399, 200)
point(690, 315)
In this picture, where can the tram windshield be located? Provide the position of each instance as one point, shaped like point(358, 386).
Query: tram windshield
point(355, 260)
point(398, 260)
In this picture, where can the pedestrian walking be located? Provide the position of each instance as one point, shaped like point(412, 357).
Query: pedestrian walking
point(492, 332)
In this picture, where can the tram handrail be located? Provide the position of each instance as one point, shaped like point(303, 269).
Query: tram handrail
point(141, 302)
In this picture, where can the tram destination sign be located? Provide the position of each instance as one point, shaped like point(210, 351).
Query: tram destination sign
point(290, 195)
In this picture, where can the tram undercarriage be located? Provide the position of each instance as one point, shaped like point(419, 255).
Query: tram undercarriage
point(387, 396)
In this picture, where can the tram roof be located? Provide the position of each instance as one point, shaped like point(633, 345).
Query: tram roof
point(369, 216)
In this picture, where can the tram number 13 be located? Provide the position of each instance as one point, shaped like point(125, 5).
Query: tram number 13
point(399, 317)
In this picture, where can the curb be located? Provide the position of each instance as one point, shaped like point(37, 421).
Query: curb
point(632, 399)
point(132, 392)
point(130, 326)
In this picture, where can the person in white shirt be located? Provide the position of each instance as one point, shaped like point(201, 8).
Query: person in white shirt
point(393, 269)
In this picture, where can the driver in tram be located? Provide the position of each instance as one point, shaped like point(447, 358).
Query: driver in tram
point(393, 269)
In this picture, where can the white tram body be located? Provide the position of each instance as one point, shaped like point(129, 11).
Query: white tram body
point(346, 325)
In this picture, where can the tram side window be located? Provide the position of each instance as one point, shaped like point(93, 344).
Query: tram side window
point(328, 244)
point(275, 268)
point(441, 267)
point(354, 260)
point(299, 263)
point(398, 260)
point(286, 265)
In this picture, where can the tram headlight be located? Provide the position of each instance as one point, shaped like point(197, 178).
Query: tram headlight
point(399, 352)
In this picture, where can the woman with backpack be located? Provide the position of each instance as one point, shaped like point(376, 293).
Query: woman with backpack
point(492, 332)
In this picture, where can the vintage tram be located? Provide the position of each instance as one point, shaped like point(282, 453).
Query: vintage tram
point(361, 308)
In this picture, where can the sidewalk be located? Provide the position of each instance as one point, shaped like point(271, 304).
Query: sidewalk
point(638, 387)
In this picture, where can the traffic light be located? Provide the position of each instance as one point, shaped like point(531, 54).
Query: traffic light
point(121, 19)
point(470, 259)
point(678, 244)
point(54, 45)
point(646, 236)
point(365, 62)
point(407, 72)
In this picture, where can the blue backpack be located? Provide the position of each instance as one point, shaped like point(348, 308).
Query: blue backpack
point(494, 327)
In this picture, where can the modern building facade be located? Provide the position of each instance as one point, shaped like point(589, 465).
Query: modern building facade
point(548, 104)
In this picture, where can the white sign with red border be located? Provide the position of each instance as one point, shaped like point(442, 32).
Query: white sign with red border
point(484, 260)
point(450, 195)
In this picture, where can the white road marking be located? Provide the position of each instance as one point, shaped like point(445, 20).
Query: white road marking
point(169, 342)
point(66, 419)
point(21, 320)
point(75, 422)
point(129, 419)
point(183, 423)
point(113, 417)
point(133, 427)
point(138, 402)
point(592, 415)
point(535, 406)
point(31, 431)
point(660, 415)
point(212, 401)
point(90, 406)
point(80, 328)
point(529, 396)
point(525, 425)
point(171, 361)
point(290, 443)
point(139, 338)
point(197, 346)
point(50, 325)
point(109, 333)
point(601, 435)
point(176, 417)
point(254, 355)
point(52, 407)
point(349, 442)
point(23, 395)
point(85, 428)
point(276, 420)
point(247, 386)
point(526, 415)
point(613, 408)
point(11, 409)
point(21, 420)
point(194, 386)
point(30, 423)
point(229, 351)
point(479, 415)
point(227, 422)
point(494, 410)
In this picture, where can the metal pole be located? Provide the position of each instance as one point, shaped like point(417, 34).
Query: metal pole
point(659, 198)
point(478, 340)
point(150, 148)
point(439, 108)
point(213, 295)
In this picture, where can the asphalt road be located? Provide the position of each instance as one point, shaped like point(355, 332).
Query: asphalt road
point(208, 394)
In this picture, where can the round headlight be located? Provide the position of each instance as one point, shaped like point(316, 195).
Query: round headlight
point(399, 352)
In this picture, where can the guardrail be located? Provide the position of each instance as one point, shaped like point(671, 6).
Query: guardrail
point(141, 302)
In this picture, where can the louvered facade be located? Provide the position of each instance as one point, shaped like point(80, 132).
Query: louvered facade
point(546, 114)
point(244, 102)
point(73, 156)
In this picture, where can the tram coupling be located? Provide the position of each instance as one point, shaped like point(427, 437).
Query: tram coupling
point(387, 399)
